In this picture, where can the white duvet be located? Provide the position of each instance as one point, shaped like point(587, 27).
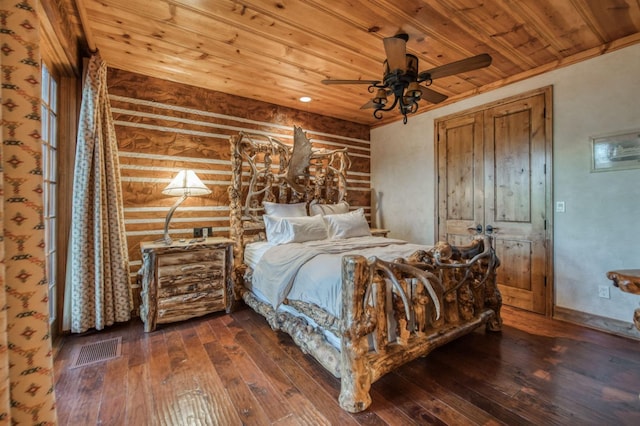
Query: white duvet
point(311, 271)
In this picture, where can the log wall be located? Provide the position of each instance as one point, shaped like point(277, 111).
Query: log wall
point(164, 126)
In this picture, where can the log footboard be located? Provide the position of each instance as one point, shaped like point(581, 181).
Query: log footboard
point(434, 298)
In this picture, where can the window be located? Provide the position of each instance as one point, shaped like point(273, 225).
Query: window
point(49, 139)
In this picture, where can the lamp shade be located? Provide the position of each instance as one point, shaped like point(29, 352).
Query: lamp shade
point(414, 90)
point(186, 183)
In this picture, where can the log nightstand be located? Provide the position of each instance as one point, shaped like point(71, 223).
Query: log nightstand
point(628, 280)
point(379, 232)
point(185, 280)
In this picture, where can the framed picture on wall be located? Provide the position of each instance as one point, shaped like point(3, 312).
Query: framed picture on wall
point(616, 151)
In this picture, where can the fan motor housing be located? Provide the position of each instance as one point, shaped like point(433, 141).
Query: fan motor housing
point(410, 74)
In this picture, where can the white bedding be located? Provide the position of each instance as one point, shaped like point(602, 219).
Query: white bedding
point(311, 271)
point(253, 253)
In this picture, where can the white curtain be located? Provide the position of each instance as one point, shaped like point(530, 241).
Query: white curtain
point(97, 291)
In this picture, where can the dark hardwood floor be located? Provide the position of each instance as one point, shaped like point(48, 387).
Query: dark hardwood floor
point(233, 369)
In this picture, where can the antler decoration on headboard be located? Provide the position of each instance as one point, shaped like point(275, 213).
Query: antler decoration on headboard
point(284, 173)
point(281, 173)
point(300, 158)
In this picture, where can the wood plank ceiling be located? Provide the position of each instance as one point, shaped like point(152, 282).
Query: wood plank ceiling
point(279, 50)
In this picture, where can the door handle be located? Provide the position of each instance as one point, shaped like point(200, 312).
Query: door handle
point(490, 229)
point(477, 228)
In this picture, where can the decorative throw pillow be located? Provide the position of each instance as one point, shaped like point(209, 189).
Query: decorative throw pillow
point(347, 225)
point(324, 209)
point(282, 230)
point(285, 210)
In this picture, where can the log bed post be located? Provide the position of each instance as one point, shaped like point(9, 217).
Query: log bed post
point(356, 324)
point(236, 228)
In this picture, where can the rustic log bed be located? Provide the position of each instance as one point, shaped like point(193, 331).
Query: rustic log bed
point(392, 311)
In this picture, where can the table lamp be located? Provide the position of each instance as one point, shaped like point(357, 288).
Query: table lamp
point(185, 183)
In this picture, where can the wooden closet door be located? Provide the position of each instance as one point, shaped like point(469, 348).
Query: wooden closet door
point(460, 178)
point(492, 174)
point(515, 194)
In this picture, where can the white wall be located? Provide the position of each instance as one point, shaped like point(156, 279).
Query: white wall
point(600, 229)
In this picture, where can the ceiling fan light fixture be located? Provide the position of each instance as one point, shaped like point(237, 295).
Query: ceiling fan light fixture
point(381, 97)
point(412, 65)
point(407, 107)
point(413, 90)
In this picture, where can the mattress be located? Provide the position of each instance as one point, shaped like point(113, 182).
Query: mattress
point(311, 271)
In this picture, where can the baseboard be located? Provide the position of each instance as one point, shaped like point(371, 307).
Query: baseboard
point(608, 325)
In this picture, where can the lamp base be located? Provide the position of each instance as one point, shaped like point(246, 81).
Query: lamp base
point(167, 239)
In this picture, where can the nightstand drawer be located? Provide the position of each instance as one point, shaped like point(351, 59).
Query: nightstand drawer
point(181, 275)
point(195, 257)
point(186, 306)
point(183, 258)
point(189, 285)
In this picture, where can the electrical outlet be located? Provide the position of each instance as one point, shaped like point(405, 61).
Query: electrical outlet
point(603, 291)
point(202, 232)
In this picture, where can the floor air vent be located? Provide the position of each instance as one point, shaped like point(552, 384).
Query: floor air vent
point(103, 350)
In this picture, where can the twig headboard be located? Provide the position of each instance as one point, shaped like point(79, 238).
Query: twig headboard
point(266, 169)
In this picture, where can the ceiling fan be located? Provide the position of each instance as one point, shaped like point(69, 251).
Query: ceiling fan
point(402, 79)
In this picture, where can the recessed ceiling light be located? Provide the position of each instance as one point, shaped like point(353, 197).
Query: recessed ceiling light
point(305, 99)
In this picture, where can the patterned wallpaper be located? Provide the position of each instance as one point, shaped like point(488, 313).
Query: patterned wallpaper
point(26, 374)
point(164, 126)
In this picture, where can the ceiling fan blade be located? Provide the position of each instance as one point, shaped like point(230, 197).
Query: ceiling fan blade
point(369, 82)
point(431, 95)
point(396, 50)
point(368, 105)
point(464, 65)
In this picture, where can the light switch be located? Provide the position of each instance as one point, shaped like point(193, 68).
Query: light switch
point(559, 206)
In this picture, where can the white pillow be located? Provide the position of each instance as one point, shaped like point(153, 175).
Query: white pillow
point(282, 230)
point(347, 225)
point(324, 209)
point(285, 210)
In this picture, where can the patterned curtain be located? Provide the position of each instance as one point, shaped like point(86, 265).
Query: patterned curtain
point(26, 364)
point(97, 291)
